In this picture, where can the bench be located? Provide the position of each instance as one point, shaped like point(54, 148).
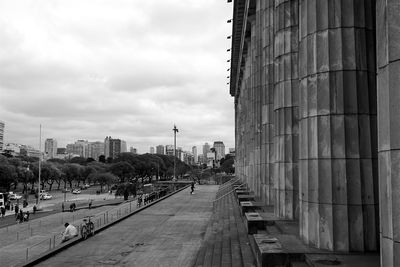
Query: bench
point(254, 222)
point(249, 197)
point(249, 206)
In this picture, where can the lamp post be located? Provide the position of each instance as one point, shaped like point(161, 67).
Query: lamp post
point(175, 131)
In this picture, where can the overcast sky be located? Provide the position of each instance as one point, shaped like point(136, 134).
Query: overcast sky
point(129, 69)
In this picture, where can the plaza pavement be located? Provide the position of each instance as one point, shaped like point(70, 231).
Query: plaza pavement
point(169, 233)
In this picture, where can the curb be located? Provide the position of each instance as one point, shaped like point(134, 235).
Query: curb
point(62, 246)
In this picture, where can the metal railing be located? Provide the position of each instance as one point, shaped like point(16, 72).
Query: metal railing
point(227, 193)
point(100, 220)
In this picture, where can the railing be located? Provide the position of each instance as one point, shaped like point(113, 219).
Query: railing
point(227, 193)
point(100, 220)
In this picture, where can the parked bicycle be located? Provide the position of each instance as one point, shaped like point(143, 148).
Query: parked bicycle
point(87, 228)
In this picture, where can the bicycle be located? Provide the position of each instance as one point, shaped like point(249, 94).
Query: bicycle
point(87, 228)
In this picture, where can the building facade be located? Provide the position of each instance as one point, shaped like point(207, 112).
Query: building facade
point(50, 148)
point(79, 148)
point(95, 149)
point(152, 150)
point(206, 150)
point(194, 153)
point(114, 147)
point(160, 150)
point(219, 150)
point(316, 90)
point(169, 150)
point(2, 126)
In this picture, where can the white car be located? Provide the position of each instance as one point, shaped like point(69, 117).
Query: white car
point(76, 191)
point(13, 196)
point(45, 196)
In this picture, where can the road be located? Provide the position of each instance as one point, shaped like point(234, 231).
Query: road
point(168, 233)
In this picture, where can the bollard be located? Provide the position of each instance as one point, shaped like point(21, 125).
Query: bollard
point(130, 206)
point(50, 244)
point(54, 241)
point(17, 235)
point(31, 231)
point(27, 256)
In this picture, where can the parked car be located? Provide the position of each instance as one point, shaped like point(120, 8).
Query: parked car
point(76, 191)
point(14, 196)
point(45, 196)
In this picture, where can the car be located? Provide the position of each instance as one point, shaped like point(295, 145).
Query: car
point(45, 196)
point(76, 191)
point(13, 196)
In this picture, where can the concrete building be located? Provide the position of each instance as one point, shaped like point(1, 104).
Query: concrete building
point(113, 147)
point(206, 149)
point(95, 150)
point(50, 148)
point(79, 148)
point(194, 152)
point(219, 150)
point(151, 150)
point(2, 126)
point(169, 150)
point(316, 95)
point(160, 150)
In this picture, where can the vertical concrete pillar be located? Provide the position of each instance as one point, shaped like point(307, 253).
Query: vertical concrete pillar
point(286, 110)
point(388, 63)
point(337, 129)
point(267, 87)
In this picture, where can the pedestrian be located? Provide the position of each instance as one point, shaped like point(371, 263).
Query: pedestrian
point(21, 216)
point(34, 209)
point(90, 204)
point(192, 188)
point(16, 209)
point(3, 211)
point(62, 206)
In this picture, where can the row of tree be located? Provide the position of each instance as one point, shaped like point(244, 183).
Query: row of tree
point(126, 168)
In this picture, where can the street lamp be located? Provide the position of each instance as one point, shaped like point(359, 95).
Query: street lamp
point(175, 131)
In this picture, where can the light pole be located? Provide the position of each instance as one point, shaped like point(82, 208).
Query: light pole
point(175, 131)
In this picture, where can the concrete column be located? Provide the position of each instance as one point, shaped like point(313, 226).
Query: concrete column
point(267, 85)
point(286, 110)
point(338, 170)
point(388, 63)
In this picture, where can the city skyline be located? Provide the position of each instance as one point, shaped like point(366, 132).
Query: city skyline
point(82, 73)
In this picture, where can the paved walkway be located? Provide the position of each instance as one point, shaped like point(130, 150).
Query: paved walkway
point(169, 233)
point(28, 239)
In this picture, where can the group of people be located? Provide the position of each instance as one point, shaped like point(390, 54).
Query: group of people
point(22, 216)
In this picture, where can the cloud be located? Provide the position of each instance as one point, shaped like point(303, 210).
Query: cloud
point(130, 69)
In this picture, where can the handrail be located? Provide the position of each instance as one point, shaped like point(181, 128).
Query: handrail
point(227, 193)
point(227, 184)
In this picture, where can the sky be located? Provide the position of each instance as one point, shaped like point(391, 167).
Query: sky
point(130, 69)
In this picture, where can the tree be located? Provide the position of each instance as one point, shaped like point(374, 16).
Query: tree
point(8, 176)
point(104, 178)
point(73, 172)
point(123, 170)
point(126, 189)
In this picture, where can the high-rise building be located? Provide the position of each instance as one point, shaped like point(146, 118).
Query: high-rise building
point(219, 150)
point(96, 149)
point(169, 150)
point(206, 149)
point(2, 126)
point(160, 150)
point(50, 148)
point(194, 152)
point(79, 148)
point(113, 147)
point(151, 150)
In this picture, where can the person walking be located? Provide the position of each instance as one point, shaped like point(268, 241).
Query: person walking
point(192, 188)
point(3, 211)
point(62, 206)
point(90, 204)
point(16, 209)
